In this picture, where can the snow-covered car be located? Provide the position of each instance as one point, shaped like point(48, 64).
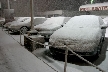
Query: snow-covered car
point(51, 25)
point(17, 19)
point(2, 20)
point(83, 34)
point(26, 24)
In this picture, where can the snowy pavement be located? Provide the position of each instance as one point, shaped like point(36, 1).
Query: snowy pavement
point(15, 58)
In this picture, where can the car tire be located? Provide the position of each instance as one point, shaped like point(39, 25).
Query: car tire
point(24, 29)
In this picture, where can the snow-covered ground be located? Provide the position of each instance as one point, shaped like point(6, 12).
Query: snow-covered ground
point(71, 67)
point(15, 58)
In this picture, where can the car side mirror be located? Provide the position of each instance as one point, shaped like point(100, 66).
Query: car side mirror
point(104, 26)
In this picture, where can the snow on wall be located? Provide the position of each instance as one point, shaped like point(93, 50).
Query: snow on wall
point(81, 33)
point(91, 7)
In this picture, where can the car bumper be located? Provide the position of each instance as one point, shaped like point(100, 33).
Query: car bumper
point(62, 51)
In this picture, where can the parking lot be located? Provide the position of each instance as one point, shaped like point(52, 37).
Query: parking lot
point(74, 63)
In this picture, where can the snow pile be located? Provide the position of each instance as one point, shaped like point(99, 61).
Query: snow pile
point(52, 24)
point(81, 34)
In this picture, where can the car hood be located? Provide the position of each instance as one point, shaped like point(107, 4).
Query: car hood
point(78, 39)
point(48, 27)
point(78, 33)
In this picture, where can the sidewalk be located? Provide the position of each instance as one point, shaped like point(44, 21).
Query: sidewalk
point(15, 58)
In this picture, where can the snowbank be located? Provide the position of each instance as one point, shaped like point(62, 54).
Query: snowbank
point(81, 33)
point(52, 24)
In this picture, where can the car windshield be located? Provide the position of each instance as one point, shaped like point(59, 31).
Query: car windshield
point(83, 21)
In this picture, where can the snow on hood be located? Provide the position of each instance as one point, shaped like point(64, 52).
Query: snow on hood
point(26, 21)
point(90, 21)
point(77, 33)
point(52, 23)
point(80, 32)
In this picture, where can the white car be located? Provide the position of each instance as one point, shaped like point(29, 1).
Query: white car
point(51, 25)
point(2, 20)
point(83, 34)
point(17, 19)
point(25, 25)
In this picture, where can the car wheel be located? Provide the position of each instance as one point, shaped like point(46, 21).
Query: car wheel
point(24, 30)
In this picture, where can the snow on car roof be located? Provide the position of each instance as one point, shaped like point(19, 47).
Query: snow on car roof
point(84, 21)
point(53, 22)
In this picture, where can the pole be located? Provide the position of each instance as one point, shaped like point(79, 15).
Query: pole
point(8, 4)
point(32, 14)
point(20, 37)
point(66, 53)
point(8, 7)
